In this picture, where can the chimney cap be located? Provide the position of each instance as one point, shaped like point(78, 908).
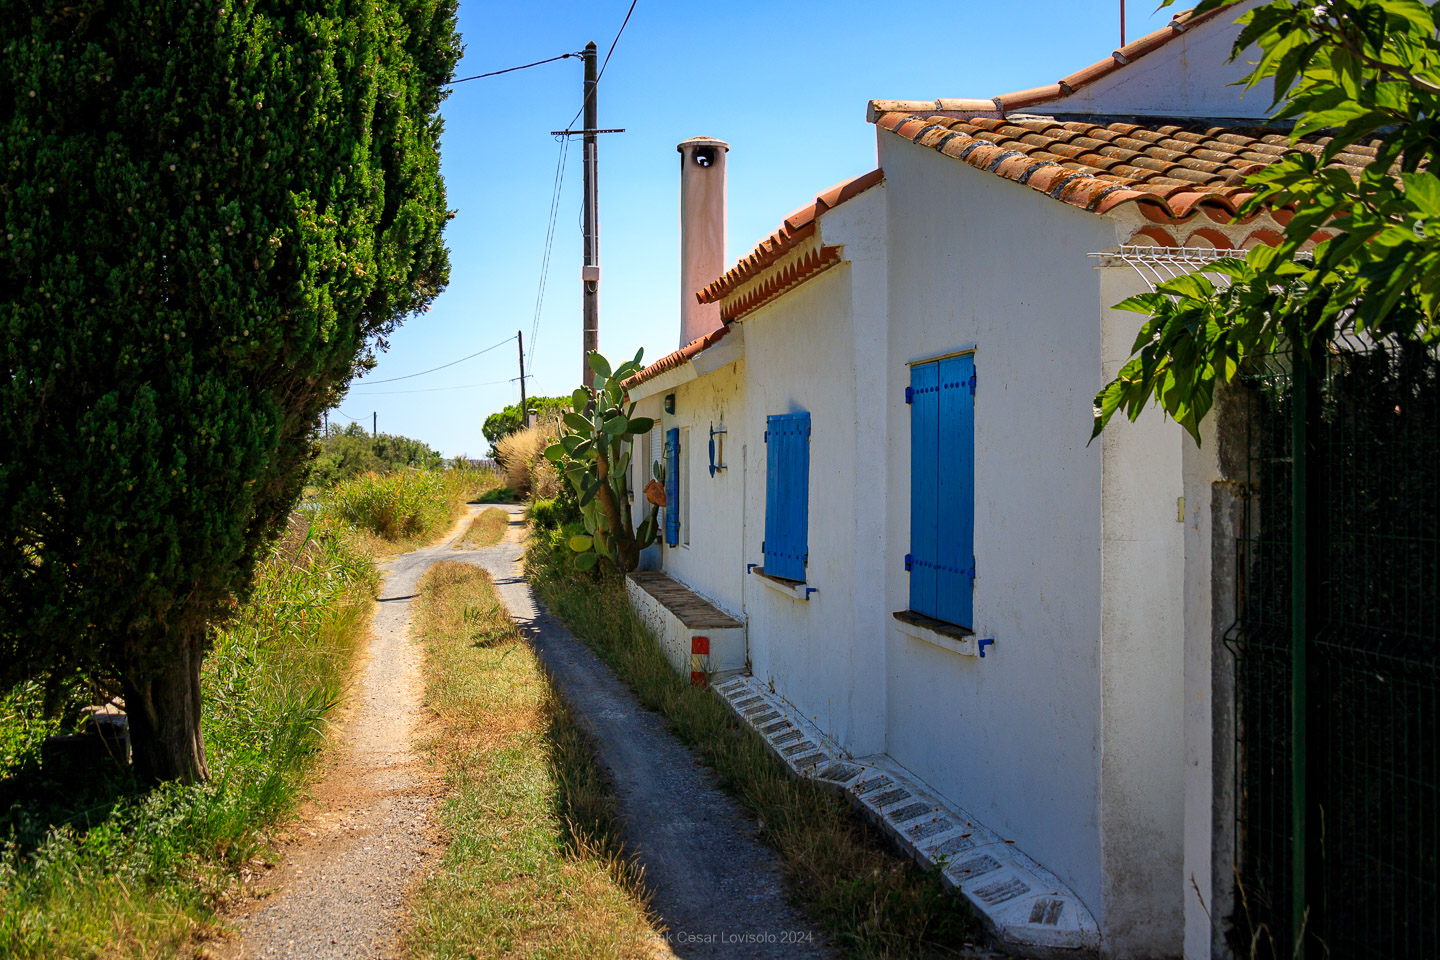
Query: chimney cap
point(702, 142)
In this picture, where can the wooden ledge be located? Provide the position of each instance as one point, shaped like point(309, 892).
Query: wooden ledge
point(691, 609)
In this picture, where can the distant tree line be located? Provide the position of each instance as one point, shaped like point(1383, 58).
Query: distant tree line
point(346, 452)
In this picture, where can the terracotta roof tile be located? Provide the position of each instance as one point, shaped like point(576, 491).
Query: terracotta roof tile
point(679, 358)
point(797, 227)
point(1173, 170)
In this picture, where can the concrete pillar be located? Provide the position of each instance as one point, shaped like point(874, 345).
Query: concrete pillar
point(702, 231)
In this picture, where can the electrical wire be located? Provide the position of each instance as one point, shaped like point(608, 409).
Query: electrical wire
point(549, 242)
point(410, 376)
point(607, 61)
point(523, 66)
point(616, 40)
point(459, 386)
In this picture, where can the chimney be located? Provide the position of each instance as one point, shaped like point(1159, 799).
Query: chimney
point(702, 232)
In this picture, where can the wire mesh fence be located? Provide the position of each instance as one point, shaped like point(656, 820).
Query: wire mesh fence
point(1365, 809)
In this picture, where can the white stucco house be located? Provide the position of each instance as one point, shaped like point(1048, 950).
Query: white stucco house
point(992, 633)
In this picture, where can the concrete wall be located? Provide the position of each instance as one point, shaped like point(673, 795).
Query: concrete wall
point(1187, 77)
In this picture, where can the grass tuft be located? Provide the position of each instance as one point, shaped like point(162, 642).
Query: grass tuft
point(487, 529)
point(532, 865)
point(872, 902)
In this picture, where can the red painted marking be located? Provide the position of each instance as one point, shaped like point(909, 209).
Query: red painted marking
point(700, 645)
point(697, 678)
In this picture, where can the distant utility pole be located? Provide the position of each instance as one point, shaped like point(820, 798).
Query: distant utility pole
point(1122, 23)
point(591, 271)
point(375, 423)
point(524, 413)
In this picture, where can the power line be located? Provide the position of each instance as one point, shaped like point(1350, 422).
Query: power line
point(461, 386)
point(549, 242)
point(523, 66)
point(616, 40)
point(607, 60)
point(442, 366)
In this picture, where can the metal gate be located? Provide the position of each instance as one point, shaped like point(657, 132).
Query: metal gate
point(1337, 662)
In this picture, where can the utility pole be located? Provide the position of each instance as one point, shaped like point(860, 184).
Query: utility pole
point(590, 273)
point(375, 423)
point(524, 413)
point(1122, 23)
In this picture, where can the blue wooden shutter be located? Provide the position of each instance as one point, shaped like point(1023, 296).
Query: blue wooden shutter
point(942, 489)
point(787, 495)
point(672, 486)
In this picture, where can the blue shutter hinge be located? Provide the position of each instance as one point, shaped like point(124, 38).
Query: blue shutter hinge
point(767, 436)
point(805, 559)
point(982, 644)
point(971, 572)
point(909, 394)
point(972, 384)
point(762, 549)
point(909, 559)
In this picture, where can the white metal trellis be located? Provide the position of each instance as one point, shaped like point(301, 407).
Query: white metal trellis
point(1155, 265)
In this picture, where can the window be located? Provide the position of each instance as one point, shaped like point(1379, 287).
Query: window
point(942, 489)
point(787, 495)
point(672, 487)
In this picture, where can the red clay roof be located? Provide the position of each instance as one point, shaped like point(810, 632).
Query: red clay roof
point(1063, 87)
point(1171, 171)
point(680, 357)
point(798, 226)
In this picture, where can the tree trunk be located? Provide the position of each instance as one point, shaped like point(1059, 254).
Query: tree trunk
point(164, 716)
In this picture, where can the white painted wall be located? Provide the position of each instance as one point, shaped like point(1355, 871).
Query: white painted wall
point(1142, 629)
point(1187, 77)
point(1015, 737)
point(712, 562)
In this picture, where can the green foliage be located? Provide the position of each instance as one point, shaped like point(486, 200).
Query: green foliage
point(507, 421)
point(207, 217)
point(346, 453)
point(1357, 70)
point(89, 864)
point(593, 453)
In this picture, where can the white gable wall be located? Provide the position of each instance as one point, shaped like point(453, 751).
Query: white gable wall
point(825, 655)
point(1189, 76)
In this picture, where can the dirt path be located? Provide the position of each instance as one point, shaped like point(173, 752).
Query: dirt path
point(718, 889)
point(349, 862)
point(352, 859)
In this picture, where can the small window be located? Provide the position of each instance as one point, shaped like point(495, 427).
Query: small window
point(942, 489)
point(787, 495)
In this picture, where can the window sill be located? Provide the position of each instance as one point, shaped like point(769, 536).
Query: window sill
point(795, 589)
point(954, 638)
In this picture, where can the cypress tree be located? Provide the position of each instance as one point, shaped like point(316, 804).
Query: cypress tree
point(210, 213)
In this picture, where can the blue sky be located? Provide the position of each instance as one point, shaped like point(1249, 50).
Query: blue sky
point(785, 83)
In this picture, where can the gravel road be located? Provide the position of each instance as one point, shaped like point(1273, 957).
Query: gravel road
point(351, 860)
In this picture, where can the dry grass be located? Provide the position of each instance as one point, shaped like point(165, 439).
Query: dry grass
point(531, 866)
point(872, 902)
point(487, 529)
point(527, 472)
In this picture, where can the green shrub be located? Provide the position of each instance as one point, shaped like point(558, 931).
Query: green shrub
point(87, 865)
